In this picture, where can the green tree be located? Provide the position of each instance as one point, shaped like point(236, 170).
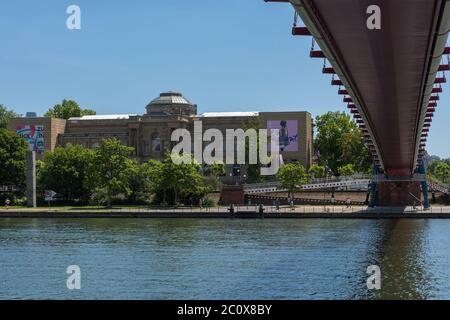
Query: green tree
point(13, 150)
point(153, 171)
point(217, 169)
point(442, 172)
point(431, 168)
point(5, 116)
point(144, 180)
point(339, 142)
point(111, 168)
point(291, 176)
point(68, 109)
point(88, 112)
point(346, 170)
point(317, 171)
point(66, 171)
point(212, 176)
point(182, 180)
point(253, 170)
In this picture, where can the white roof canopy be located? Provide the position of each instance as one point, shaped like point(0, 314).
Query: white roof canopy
point(230, 114)
point(105, 117)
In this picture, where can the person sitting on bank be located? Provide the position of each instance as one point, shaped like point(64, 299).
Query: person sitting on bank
point(7, 203)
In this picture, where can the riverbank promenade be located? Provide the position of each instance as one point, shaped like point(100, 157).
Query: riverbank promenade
point(360, 212)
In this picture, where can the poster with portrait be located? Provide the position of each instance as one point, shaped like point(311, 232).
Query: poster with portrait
point(288, 134)
point(34, 136)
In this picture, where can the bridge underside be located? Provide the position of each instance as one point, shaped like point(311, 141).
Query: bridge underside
point(387, 69)
point(389, 73)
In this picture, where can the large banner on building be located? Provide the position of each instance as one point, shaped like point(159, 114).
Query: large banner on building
point(288, 133)
point(34, 136)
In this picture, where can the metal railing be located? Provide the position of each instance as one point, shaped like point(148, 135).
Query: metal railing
point(318, 209)
point(435, 185)
point(252, 210)
point(323, 183)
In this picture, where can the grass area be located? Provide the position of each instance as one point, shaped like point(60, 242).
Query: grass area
point(94, 208)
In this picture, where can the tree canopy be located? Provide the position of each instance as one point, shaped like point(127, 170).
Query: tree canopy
point(253, 170)
point(68, 109)
point(442, 172)
point(144, 179)
point(439, 169)
point(290, 176)
point(66, 171)
point(5, 116)
point(181, 180)
point(13, 150)
point(77, 173)
point(111, 167)
point(347, 170)
point(339, 142)
point(317, 171)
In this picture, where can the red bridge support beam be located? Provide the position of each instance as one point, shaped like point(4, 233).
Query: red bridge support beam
point(328, 70)
point(348, 99)
point(300, 31)
point(317, 54)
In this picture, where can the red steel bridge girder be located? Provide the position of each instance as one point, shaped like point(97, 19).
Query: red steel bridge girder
point(388, 84)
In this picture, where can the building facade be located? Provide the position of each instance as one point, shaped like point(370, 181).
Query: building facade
point(150, 134)
point(41, 133)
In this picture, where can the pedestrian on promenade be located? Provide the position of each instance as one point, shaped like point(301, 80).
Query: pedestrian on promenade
point(348, 202)
point(7, 203)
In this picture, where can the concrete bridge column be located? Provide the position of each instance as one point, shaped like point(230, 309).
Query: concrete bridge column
point(373, 187)
point(31, 179)
point(424, 185)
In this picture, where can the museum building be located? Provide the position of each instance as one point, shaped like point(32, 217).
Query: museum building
point(150, 134)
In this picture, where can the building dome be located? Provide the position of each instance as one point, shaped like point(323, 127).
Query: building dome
point(171, 103)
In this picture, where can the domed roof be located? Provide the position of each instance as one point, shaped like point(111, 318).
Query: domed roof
point(171, 103)
point(170, 98)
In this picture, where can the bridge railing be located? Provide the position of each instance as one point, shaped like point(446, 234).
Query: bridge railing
point(357, 176)
point(438, 186)
point(272, 186)
point(318, 209)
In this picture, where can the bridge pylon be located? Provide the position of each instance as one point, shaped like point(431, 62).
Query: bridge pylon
point(424, 184)
point(396, 188)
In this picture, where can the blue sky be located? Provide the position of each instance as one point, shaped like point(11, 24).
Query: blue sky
point(234, 55)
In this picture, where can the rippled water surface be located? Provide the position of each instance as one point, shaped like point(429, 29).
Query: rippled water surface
point(224, 258)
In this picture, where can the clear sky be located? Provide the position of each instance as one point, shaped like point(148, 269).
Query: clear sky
point(233, 55)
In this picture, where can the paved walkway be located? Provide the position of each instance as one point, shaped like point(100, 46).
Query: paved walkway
point(240, 211)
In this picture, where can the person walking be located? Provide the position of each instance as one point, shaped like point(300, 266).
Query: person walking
point(7, 203)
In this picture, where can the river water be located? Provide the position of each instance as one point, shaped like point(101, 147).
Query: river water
point(224, 258)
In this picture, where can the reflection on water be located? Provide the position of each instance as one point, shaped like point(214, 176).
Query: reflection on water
point(224, 258)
